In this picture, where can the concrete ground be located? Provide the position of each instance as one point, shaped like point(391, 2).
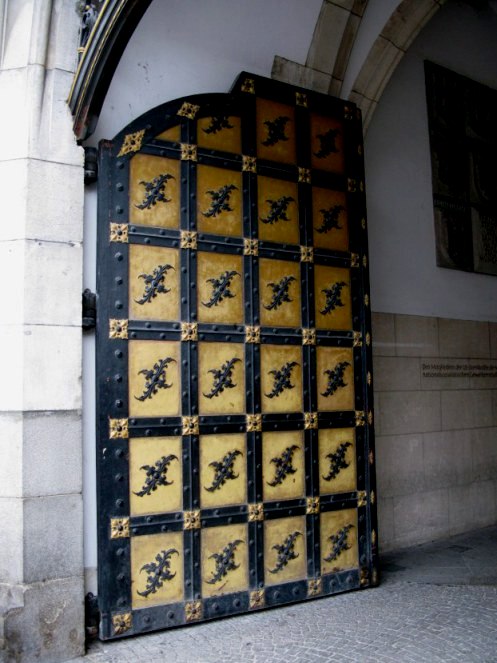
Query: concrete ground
point(436, 602)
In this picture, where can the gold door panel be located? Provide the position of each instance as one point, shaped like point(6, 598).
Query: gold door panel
point(339, 541)
point(335, 378)
point(155, 475)
point(224, 559)
point(337, 460)
point(281, 378)
point(332, 297)
point(219, 196)
point(283, 466)
point(154, 275)
point(280, 298)
point(172, 135)
point(278, 210)
point(275, 131)
point(223, 470)
point(157, 569)
point(284, 550)
point(220, 288)
point(330, 219)
point(221, 132)
point(327, 144)
point(221, 378)
point(154, 192)
point(154, 378)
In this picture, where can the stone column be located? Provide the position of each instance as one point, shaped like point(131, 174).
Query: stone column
point(41, 212)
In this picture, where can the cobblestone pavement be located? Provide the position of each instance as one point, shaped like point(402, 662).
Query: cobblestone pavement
point(436, 602)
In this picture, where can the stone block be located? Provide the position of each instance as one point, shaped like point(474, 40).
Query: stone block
point(461, 512)
point(396, 373)
point(407, 20)
point(53, 537)
point(464, 338)
point(50, 625)
point(421, 517)
point(377, 68)
point(52, 459)
point(14, 197)
point(11, 361)
point(386, 534)
point(53, 284)
point(409, 412)
point(11, 562)
point(16, 115)
point(343, 55)
point(399, 464)
point(416, 336)
point(383, 328)
point(11, 471)
point(298, 74)
point(467, 409)
point(484, 504)
point(484, 454)
point(327, 37)
point(52, 368)
point(447, 458)
point(64, 37)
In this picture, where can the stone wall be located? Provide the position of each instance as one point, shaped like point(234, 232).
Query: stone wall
point(436, 426)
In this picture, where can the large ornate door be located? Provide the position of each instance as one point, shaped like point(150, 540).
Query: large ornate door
point(235, 457)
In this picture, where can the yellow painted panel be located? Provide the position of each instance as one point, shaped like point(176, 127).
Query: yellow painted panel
point(155, 475)
point(146, 358)
point(173, 134)
point(278, 210)
point(283, 533)
point(281, 378)
point(228, 543)
point(219, 201)
point(275, 131)
point(283, 473)
point(338, 527)
point(335, 378)
point(279, 286)
point(221, 378)
point(220, 288)
point(337, 460)
point(329, 219)
point(327, 144)
point(223, 470)
point(220, 133)
point(160, 176)
point(332, 297)
point(154, 283)
point(164, 552)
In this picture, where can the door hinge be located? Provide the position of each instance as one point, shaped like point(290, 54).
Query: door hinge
point(92, 616)
point(89, 310)
point(91, 165)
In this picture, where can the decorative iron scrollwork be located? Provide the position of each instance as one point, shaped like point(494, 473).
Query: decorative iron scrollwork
point(339, 543)
point(220, 200)
point(327, 143)
point(330, 219)
point(337, 461)
point(286, 551)
point(156, 475)
point(223, 470)
point(284, 465)
point(280, 292)
point(335, 378)
point(217, 124)
point(333, 297)
point(276, 130)
point(221, 288)
point(278, 210)
point(155, 191)
point(223, 378)
point(158, 572)
point(225, 562)
point(282, 379)
point(155, 378)
point(154, 284)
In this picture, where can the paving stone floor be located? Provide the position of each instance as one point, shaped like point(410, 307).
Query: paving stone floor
point(436, 602)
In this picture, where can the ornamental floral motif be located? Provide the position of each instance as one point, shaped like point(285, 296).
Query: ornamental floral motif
point(278, 210)
point(221, 288)
point(339, 543)
point(122, 622)
point(335, 378)
point(333, 296)
point(257, 599)
point(154, 284)
point(224, 561)
point(337, 461)
point(330, 220)
point(132, 143)
point(156, 475)
point(155, 191)
point(223, 470)
point(158, 572)
point(220, 200)
point(217, 124)
point(275, 130)
point(280, 292)
point(285, 551)
point(193, 611)
point(155, 378)
point(282, 379)
point(223, 378)
point(327, 143)
point(283, 465)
